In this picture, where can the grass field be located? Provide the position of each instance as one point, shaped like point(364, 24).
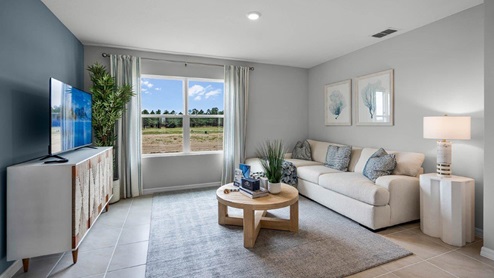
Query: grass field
point(170, 140)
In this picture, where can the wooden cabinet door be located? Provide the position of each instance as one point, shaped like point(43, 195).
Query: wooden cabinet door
point(80, 202)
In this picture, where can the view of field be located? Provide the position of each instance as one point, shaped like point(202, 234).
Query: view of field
point(170, 140)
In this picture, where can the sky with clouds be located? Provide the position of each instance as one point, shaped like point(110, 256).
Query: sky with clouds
point(167, 94)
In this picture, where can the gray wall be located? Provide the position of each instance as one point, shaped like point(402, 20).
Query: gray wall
point(34, 47)
point(489, 126)
point(277, 109)
point(438, 70)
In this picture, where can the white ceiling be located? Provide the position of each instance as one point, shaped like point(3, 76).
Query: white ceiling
point(300, 33)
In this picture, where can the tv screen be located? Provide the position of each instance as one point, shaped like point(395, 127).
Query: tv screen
point(70, 117)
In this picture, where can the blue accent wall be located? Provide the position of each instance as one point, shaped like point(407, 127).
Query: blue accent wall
point(34, 46)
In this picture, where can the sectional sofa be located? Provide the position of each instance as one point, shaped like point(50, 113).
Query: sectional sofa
point(390, 200)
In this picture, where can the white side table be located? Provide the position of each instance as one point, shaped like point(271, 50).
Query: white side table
point(447, 207)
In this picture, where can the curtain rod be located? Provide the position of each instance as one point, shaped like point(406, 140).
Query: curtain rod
point(176, 61)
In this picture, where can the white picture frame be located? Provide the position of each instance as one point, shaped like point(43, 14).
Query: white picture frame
point(338, 103)
point(374, 99)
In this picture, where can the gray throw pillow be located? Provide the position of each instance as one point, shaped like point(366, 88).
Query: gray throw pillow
point(338, 157)
point(379, 164)
point(302, 151)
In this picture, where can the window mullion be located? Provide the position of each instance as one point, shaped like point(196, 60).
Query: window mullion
point(186, 120)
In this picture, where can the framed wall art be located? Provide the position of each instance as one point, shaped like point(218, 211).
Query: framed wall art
point(338, 103)
point(374, 94)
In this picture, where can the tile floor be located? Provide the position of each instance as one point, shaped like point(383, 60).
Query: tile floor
point(117, 247)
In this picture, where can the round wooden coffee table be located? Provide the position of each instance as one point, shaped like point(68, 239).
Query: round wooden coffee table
point(254, 216)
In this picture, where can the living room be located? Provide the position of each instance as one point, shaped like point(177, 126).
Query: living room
point(444, 67)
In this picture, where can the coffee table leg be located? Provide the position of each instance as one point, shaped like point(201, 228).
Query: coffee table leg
point(249, 237)
point(294, 217)
point(222, 213)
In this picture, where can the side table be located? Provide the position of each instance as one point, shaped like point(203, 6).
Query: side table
point(447, 207)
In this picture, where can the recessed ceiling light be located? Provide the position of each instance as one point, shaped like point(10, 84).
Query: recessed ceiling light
point(253, 15)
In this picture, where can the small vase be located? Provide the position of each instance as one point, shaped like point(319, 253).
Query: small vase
point(274, 188)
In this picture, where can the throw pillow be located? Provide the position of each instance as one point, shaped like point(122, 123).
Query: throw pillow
point(338, 157)
point(379, 164)
point(302, 151)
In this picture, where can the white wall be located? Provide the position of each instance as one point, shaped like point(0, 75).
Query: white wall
point(277, 109)
point(438, 70)
point(489, 129)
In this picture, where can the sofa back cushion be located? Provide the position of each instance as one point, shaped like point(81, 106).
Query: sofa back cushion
point(319, 150)
point(356, 151)
point(407, 163)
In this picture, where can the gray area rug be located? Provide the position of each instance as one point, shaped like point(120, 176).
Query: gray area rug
point(187, 241)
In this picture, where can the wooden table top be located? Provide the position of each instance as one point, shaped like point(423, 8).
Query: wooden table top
point(287, 196)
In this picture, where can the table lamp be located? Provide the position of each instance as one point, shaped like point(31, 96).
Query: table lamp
point(444, 128)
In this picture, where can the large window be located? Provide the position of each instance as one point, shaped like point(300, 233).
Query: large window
point(181, 114)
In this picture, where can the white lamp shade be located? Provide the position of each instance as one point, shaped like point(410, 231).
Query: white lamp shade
point(447, 127)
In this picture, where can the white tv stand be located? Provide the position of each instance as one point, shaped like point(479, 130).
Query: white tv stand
point(51, 207)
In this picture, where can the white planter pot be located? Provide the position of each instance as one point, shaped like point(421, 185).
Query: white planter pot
point(116, 192)
point(274, 188)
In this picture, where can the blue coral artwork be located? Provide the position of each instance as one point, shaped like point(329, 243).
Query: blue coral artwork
point(374, 95)
point(338, 103)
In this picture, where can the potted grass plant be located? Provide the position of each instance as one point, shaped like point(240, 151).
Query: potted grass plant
point(109, 101)
point(271, 155)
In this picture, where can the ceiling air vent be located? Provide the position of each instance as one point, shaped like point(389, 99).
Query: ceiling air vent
point(384, 33)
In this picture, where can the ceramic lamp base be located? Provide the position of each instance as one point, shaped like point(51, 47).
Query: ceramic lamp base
point(443, 167)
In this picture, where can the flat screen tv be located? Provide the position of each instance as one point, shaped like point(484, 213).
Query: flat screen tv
point(70, 118)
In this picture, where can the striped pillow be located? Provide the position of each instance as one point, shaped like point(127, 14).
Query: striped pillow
point(338, 157)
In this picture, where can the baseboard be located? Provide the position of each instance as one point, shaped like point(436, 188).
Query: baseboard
point(12, 270)
point(486, 252)
point(479, 232)
point(180, 187)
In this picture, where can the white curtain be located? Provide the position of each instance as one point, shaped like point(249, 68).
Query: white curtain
point(235, 125)
point(126, 69)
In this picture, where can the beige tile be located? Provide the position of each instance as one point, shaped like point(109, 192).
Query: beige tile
point(373, 272)
point(410, 225)
point(138, 218)
point(423, 269)
point(387, 275)
point(88, 263)
point(100, 237)
point(462, 266)
point(131, 272)
point(135, 233)
point(473, 250)
point(129, 255)
point(404, 262)
point(417, 243)
point(390, 230)
point(433, 239)
point(39, 266)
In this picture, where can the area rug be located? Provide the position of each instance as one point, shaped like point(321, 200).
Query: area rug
point(187, 241)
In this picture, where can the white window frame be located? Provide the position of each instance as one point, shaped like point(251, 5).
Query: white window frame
point(185, 117)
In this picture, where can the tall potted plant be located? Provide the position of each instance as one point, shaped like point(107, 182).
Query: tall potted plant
point(109, 102)
point(271, 155)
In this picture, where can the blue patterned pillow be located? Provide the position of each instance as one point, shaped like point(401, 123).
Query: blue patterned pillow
point(379, 164)
point(302, 151)
point(338, 157)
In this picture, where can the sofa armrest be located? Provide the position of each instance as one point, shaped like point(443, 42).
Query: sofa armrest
point(404, 197)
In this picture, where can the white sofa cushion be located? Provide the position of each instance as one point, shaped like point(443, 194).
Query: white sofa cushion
point(355, 186)
point(319, 150)
point(407, 163)
point(356, 151)
point(312, 173)
point(301, 163)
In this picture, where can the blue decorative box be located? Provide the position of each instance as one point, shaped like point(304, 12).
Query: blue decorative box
point(251, 184)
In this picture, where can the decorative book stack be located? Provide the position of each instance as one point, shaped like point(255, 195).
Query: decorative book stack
point(251, 188)
point(254, 194)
